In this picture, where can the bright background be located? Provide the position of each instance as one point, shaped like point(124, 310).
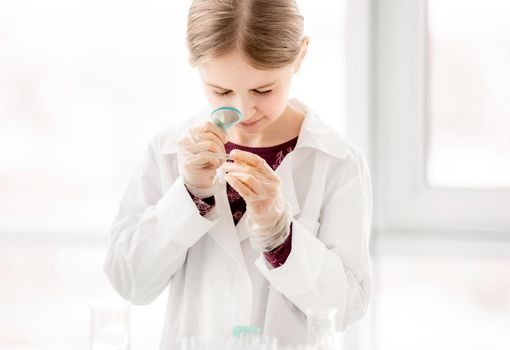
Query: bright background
point(469, 95)
point(85, 85)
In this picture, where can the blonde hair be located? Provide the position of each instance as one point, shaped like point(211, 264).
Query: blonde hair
point(268, 33)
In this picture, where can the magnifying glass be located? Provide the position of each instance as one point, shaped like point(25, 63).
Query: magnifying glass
point(224, 117)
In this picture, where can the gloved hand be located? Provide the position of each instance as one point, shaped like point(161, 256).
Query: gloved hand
point(199, 171)
point(268, 213)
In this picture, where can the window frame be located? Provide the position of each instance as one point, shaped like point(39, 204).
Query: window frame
point(403, 198)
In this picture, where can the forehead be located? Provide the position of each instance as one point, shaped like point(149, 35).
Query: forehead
point(232, 71)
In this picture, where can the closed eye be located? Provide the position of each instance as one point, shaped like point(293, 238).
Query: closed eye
point(221, 93)
point(267, 92)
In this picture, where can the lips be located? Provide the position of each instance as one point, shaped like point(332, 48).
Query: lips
point(250, 123)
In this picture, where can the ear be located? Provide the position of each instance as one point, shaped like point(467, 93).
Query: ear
point(302, 53)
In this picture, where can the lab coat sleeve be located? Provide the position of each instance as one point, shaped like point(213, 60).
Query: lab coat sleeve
point(329, 263)
point(152, 232)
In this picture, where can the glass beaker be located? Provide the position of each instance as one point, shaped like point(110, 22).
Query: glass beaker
point(321, 325)
point(243, 342)
point(109, 325)
point(195, 343)
point(257, 342)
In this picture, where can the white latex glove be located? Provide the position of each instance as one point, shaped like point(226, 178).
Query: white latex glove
point(268, 214)
point(199, 171)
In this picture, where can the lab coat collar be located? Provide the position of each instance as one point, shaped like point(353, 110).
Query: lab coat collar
point(314, 133)
point(317, 135)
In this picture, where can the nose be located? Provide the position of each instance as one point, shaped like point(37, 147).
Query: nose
point(246, 106)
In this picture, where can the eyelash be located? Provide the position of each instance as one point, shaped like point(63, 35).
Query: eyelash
point(257, 92)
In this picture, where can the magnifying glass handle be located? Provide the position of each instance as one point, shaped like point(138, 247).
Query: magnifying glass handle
point(216, 155)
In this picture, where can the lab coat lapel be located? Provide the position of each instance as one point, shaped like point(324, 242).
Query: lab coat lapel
point(224, 233)
point(284, 171)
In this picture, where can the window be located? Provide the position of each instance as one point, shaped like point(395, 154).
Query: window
point(412, 194)
point(469, 97)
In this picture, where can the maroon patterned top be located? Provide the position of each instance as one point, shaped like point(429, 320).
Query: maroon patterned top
point(273, 155)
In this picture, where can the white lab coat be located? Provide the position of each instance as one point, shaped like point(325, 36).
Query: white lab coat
point(159, 239)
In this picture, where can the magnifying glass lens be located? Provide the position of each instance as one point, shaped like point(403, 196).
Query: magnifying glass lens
point(226, 117)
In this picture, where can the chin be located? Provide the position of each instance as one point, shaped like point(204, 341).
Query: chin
point(256, 130)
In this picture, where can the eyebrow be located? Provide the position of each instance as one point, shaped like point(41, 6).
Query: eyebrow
point(259, 88)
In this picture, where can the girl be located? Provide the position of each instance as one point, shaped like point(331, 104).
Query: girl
point(258, 240)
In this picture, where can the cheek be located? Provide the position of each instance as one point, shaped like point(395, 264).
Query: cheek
point(273, 105)
point(214, 100)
